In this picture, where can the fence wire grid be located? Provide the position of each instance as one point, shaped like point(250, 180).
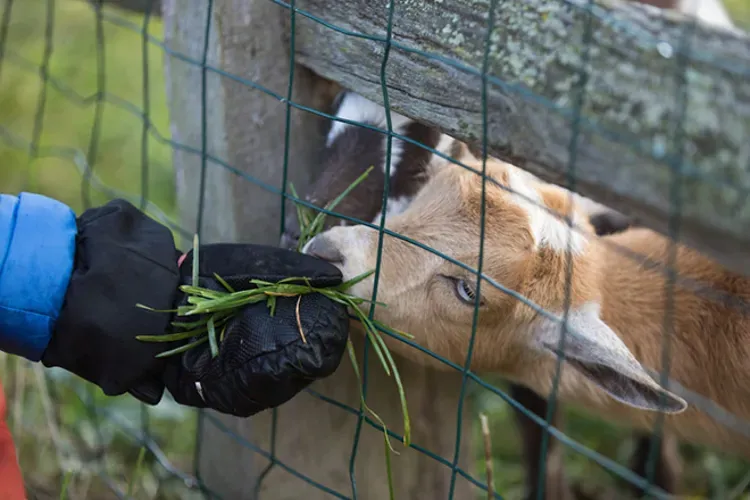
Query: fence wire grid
point(84, 428)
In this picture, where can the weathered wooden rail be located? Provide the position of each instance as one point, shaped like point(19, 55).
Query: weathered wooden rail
point(627, 139)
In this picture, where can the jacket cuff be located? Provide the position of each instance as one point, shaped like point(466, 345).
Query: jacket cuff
point(37, 250)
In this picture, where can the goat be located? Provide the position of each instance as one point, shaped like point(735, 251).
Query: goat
point(611, 353)
point(349, 151)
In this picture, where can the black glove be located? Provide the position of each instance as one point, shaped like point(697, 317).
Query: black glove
point(264, 360)
point(124, 257)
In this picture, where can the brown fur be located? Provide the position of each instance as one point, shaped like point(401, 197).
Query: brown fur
point(709, 348)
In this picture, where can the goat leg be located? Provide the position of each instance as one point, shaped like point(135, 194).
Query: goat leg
point(668, 464)
point(556, 484)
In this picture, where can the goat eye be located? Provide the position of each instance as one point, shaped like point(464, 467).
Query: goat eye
point(462, 289)
point(464, 292)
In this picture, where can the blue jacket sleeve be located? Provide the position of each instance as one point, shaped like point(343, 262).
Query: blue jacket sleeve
point(37, 248)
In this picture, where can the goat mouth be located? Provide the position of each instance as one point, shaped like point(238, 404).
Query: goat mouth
point(322, 248)
point(335, 259)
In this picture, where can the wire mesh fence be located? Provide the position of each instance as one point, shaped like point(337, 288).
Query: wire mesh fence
point(109, 77)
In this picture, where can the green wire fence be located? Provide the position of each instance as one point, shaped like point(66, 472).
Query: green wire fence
point(89, 79)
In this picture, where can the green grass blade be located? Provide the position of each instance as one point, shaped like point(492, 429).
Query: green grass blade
point(342, 298)
point(303, 212)
point(286, 280)
point(184, 325)
point(389, 471)
point(138, 464)
point(172, 337)
point(252, 292)
point(212, 338)
point(218, 319)
point(308, 231)
point(188, 325)
point(289, 288)
point(399, 385)
point(355, 366)
point(343, 287)
point(336, 298)
point(202, 292)
point(192, 299)
point(261, 283)
point(375, 347)
point(388, 328)
point(183, 348)
point(185, 310)
point(230, 302)
point(349, 189)
point(141, 306)
point(223, 283)
point(66, 483)
point(195, 259)
point(379, 343)
point(283, 286)
point(232, 305)
point(271, 303)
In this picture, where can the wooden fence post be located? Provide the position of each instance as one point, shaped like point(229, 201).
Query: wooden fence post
point(245, 128)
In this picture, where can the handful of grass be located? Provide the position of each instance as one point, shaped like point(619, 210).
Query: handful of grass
point(216, 308)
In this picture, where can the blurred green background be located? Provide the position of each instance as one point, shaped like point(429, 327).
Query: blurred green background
point(92, 110)
point(48, 136)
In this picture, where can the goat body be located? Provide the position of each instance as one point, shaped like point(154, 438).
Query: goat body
point(616, 305)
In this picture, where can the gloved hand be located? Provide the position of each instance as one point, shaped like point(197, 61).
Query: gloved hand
point(123, 257)
point(263, 360)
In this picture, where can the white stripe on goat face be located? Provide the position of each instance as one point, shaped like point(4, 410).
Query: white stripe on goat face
point(548, 230)
point(356, 108)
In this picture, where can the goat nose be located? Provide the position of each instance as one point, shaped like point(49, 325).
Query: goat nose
point(323, 248)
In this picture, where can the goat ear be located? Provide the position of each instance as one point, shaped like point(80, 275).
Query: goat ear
point(594, 349)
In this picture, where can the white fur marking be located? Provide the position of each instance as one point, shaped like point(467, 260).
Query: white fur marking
point(438, 162)
point(395, 206)
point(397, 149)
point(547, 229)
point(445, 144)
point(356, 108)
